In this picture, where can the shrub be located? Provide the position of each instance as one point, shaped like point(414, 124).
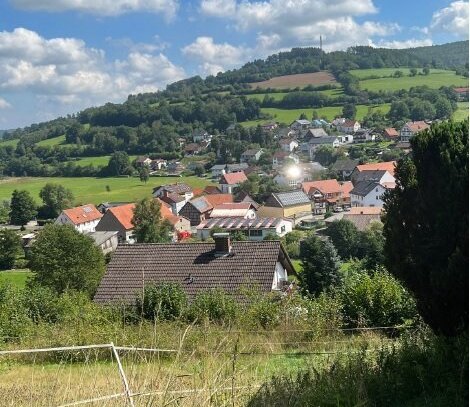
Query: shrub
point(42, 304)
point(375, 300)
point(213, 305)
point(264, 312)
point(165, 301)
point(14, 321)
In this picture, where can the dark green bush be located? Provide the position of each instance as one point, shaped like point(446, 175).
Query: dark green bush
point(213, 305)
point(165, 301)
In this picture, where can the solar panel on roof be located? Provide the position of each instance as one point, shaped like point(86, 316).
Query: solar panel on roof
point(87, 209)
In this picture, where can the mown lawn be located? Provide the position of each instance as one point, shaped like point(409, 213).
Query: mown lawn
point(101, 161)
point(287, 116)
point(93, 190)
point(436, 79)
point(279, 95)
point(462, 112)
point(17, 278)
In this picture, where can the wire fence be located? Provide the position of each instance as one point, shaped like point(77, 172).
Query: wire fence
point(130, 393)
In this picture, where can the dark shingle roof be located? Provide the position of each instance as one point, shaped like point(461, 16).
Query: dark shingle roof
point(364, 187)
point(322, 140)
point(194, 266)
point(178, 188)
point(370, 175)
point(344, 165)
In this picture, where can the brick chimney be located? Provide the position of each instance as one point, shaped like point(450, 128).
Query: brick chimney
point(223, 246)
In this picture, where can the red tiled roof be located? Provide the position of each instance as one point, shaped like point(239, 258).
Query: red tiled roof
point(124, 215)
point(391, 132)
point(349, 123)
point(82, 214)
point(211, 189)
point(365, 210)
point(218, 199)
point(233, 178)
point(198, 191)
point(166, 213)
point(385, 166)
point(461, 90)
point(417, 126)
point(327, 186)
point(346, 188)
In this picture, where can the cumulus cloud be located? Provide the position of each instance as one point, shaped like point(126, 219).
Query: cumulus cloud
point(452, 19)
point(4, 104)
point(411, 43)
point(214, 57)
point(66, 71)
point(101, 7)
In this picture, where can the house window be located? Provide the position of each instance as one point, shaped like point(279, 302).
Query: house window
point(256, 232)
point(283, 228)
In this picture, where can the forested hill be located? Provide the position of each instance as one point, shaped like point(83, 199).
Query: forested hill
point(302, 60)
point(413, 84)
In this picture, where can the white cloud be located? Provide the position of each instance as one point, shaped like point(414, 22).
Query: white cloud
point(411, 43)
point(283, 24)
point(214, 57)
point(64, 71)
point(4, 104)
point(453, 19)
point(101, 7)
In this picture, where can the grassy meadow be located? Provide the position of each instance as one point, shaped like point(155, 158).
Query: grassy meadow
point(16, 278)
point(6, 143)
point(55, 141)
point(462, 112)
point(93, 190)
point(287, 116)
point(100, 161)
point(436, 79)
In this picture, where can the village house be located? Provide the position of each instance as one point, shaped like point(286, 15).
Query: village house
point(383, 177)
point(411, 128)
point(317, 123)
point(315, 133)
point(367, 193)
point(158, 164)
point(300, 124)
point(244, 210)
point(391, 134)
point(315, 143)
point(244, 197)
point(344, 167)
point(175, 167)
point(104, 206)
point(193, 149)
point(328, 195)
point(363, 136)
point(462, 94)
point(262, 266)
point(200, 208)
point(288, 145)
point(237, 167)
point(382, 166)
point(228, 182)
point(269, 126)
point(338, 121)
point(143, 161)
point(252, 155)
point(291, 204)
point(201, 135)
point(218, 170)
point(107, 241)
point(181, 225)
point(348, 127)
point(280, 158)
point(180, 188)
point(346, 139)
point(362, 217)
point(83, 218)
point(253, 229)
point(118, 219)
point(174, 201)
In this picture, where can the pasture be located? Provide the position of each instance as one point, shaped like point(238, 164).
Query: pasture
point(462, 112)
point(297, 80)
point(100, 161)
point(287, 116)
point(16, 278)
point(280, 95)
point(55, 141)
point(94, 190)
point(436, 79)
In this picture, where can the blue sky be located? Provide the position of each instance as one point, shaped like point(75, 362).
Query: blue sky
point(60, 56)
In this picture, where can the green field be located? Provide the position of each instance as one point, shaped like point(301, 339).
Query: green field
point(15, 277)
point(101, 161)
point(436, 79)
point(7, 143)
point(55, 141)
point(330, 112)
point(279, 95)
point(462, 112)
point(93, 190)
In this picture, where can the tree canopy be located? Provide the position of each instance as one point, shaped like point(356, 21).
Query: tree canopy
point(426, 225)
point(64, 259)
point(148, 224)
point(22, 208)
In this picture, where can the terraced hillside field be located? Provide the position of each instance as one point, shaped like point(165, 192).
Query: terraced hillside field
point(298, 80)
point(435, 79)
